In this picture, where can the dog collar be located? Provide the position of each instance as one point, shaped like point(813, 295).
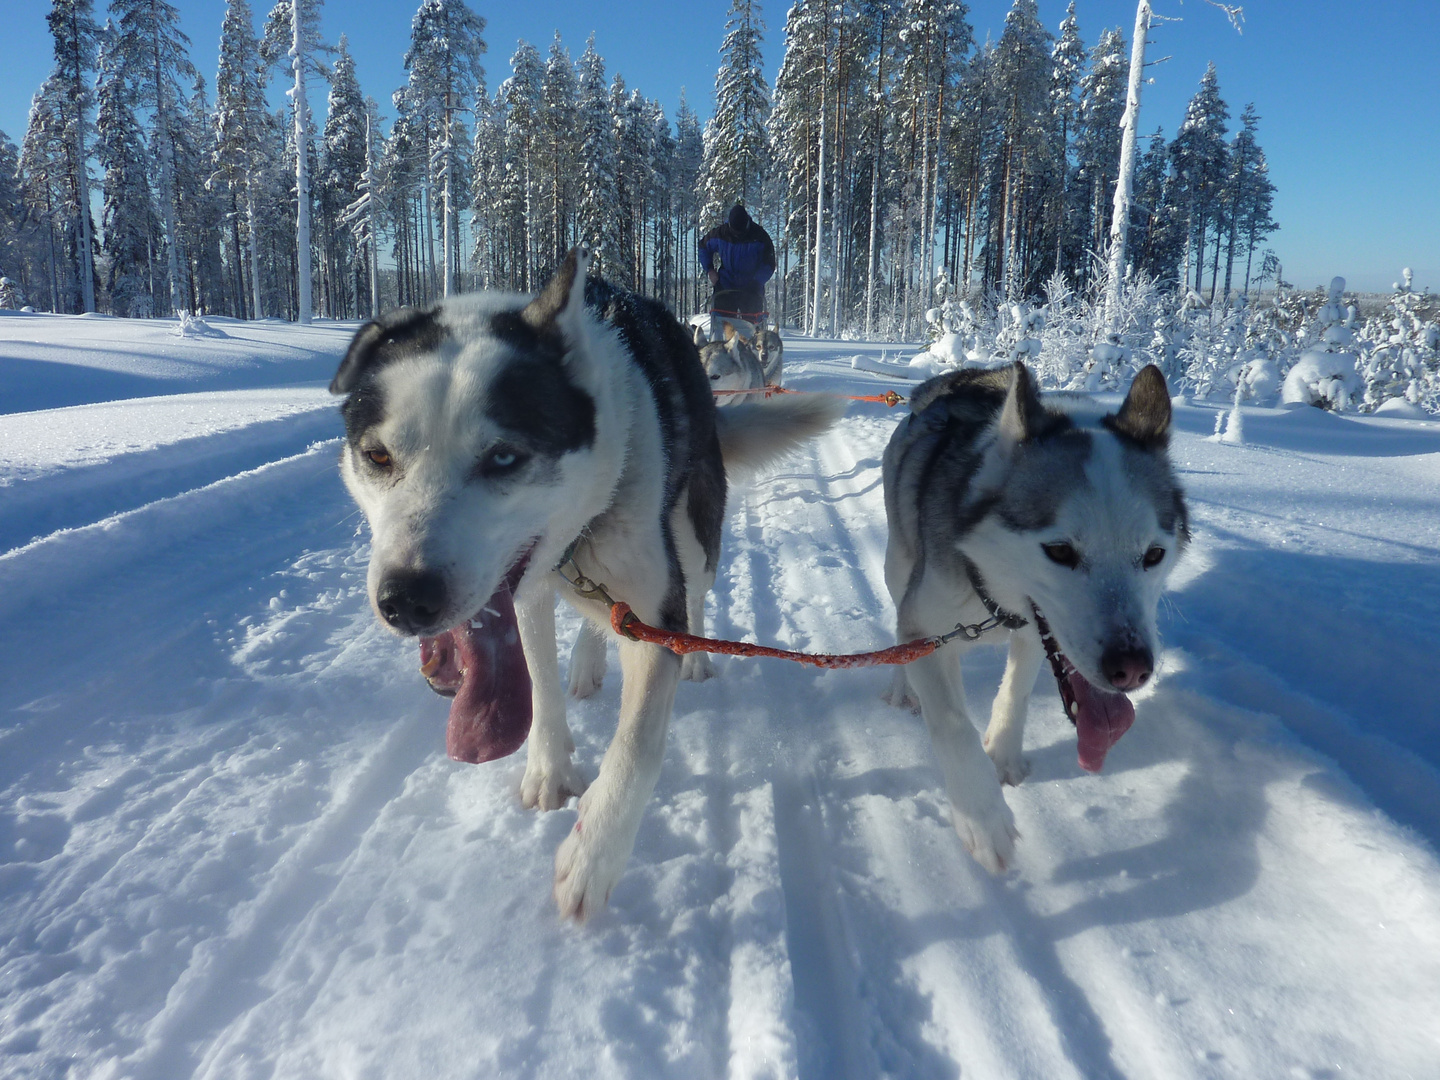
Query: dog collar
point(1007, 619)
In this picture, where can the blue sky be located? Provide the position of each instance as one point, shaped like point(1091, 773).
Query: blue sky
point(1348, 95)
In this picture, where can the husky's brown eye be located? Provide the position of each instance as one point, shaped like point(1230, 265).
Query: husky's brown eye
point(1153, 557)
point(1063, 554)
point(379, 457)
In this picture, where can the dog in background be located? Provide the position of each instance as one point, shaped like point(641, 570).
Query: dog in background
point(771, 351)
point(732, 365)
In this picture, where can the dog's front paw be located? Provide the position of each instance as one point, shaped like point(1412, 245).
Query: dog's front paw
point(1011, 766)
point(899, 693)
point(548, 784)
point(989, 837)
point(586, 869)
point(697, 667)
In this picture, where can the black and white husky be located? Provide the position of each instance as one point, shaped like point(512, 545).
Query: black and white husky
point(496, 438)
point(1055, 521)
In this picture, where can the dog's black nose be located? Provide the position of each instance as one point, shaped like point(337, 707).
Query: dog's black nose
point(411, 601)
point(1127, 668)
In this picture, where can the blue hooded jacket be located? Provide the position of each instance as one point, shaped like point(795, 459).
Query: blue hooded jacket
point(741, 250)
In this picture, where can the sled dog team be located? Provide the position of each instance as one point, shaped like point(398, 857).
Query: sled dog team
point(498, 442)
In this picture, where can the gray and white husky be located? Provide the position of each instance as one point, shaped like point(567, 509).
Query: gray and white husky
point(771, 350)
point(732, 365)
point(497, 437)
point(1052, 519)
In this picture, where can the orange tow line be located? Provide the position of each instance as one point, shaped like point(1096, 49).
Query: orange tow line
point(624, 621)
point(890, 397)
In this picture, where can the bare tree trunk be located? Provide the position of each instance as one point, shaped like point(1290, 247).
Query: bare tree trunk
point(1125, 176)
point(302, 167)
point(820, 189)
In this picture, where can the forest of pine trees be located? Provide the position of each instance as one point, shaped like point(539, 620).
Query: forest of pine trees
point(895, 161)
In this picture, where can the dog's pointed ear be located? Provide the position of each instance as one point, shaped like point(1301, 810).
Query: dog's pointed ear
point(1022, 415)
point(1144, 416)
point(563, 295)
point(730, 333)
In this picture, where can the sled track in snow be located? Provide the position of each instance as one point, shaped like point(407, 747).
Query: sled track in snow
point(230, 843)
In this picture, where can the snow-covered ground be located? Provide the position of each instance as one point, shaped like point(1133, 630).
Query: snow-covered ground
point(231, 844)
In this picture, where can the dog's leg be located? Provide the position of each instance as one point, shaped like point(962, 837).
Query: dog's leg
point(550, 777)
point(899, 693)
point(697, 666)
point(1006, 733)
point(587, 661)
point(977, 808)
point(593, 856)
point(694, 667)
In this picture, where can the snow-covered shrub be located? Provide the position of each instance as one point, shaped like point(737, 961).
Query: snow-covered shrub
point(1109, 364)
point(1325, 374)
point(11, 295)
point(1212, 348)
point(1256, 377)
point(1326, 379)
point(1064, 338)
point(1400, 352)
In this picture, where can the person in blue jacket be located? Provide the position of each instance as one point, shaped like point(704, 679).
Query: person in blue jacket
point(739, 257)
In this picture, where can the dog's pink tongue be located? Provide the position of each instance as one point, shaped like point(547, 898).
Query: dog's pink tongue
point(1100, 720)
point(484, 667)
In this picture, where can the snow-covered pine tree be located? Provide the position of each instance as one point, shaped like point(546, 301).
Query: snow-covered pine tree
point(735, 142)
point(1154, 239)
point(972, 148)
point(45, 154)
point(596, 201)
point(152, 55)
point(72, 25)
point(404, 169)
point(292, 40)
point(1199, 158)
point(660, 211)
point(559, 121)
point(446, 43)
point(132, 230)
point(795, 141)
point(241, 126)
point(879, 19)
point(202, 211)
point(15, 238)
point(1102, 105)
point(1251, 197)
point(633, 179)
point(524, 101)
point(487, 166)
point(1068, 61)
point(342, 168)
point(1022, 72)
point(685, 181)
point(363, 216)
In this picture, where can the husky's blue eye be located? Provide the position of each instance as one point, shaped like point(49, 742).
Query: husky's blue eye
point(1062, 553)
point(1153, 556)
point(501, 460)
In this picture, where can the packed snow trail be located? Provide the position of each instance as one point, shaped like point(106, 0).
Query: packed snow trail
point(231, 845)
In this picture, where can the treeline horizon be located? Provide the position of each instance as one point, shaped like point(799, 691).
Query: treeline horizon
point(895, 162)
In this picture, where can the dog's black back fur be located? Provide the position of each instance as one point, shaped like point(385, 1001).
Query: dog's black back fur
point(686, 409)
